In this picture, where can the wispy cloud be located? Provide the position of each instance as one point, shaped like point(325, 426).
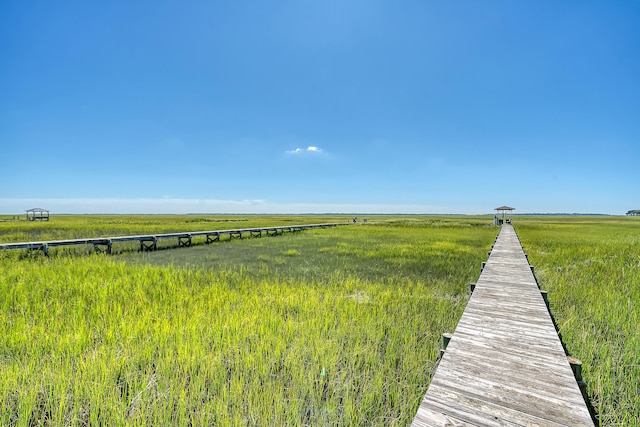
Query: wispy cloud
point(309, 149)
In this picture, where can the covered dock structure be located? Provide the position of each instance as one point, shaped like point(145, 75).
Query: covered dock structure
point(503, 215)
point(37, 214)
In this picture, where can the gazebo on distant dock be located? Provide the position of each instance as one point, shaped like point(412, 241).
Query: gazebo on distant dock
point(501, 215)
point(37, 214)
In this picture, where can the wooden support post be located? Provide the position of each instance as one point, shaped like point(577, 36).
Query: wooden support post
point(103, 247)
point(446, 337)
point(235, 235)
point(148, 243)
point(184, 241)
point(213, 237)
point(40, 247)
point(545, 297)
point(472, 287)
point(483, 266)
point(256, 233)
point(576, 367)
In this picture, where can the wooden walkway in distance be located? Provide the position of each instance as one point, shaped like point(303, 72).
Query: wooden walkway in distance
point(505, 364)
point(149, 242)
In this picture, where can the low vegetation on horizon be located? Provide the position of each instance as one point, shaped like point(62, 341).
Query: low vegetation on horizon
point(333, 326)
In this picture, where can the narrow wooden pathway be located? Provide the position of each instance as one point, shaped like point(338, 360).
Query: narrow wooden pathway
point(149, 242)
point(504, 364)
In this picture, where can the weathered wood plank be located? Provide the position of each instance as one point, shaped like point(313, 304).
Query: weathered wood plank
point(504, 364)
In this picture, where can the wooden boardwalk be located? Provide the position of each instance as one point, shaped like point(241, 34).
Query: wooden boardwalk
point(149, 242)
point(504, 364)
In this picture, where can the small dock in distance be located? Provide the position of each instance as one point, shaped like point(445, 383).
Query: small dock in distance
point(504, 364)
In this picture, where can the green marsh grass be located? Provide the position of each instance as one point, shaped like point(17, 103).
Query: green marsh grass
point(325, 327)
point(591, 270)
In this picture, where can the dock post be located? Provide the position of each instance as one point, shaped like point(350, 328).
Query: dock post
point(545, 297)
point(576, 367)
point(184, 241)
point(107, 244)
point(152, 246)
point(446, 337)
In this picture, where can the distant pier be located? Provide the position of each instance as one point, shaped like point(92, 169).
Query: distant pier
point(149, 242)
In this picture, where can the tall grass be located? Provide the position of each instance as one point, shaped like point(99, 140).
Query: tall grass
point(591, 269)
point(327, 327)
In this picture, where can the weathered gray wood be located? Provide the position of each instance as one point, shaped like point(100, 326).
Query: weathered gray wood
point(213, 237)
point(504, 364)
point(149, 242)
point(103, 246)
point(184, 241)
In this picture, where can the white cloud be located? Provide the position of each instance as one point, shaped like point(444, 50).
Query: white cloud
point(309, 149)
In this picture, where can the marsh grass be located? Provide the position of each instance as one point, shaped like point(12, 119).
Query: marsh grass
point(326, 327)
point(591, 270)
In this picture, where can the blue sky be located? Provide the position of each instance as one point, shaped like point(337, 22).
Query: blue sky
point(320, 106)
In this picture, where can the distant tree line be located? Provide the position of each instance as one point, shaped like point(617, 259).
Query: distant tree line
point(634, 212)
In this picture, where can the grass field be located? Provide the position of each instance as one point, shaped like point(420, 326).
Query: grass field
point(325, 327)
point(591, 269)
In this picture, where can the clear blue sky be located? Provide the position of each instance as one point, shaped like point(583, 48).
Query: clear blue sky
point(320, 106)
